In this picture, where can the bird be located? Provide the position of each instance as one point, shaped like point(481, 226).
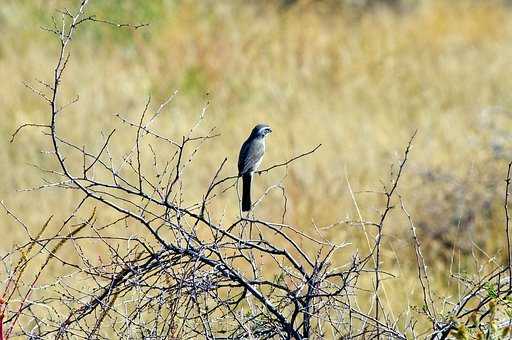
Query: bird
point(249, 160)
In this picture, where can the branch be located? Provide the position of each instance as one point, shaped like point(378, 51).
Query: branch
point(290, 160)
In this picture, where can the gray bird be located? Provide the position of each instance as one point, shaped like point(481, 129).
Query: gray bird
point(249, 160)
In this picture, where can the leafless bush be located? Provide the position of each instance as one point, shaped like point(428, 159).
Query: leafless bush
point(190, 271)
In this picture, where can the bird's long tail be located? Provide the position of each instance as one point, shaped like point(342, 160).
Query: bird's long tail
point(246, 192)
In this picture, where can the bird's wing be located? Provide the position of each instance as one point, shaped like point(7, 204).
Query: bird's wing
point(242, 157)
point(250, 155)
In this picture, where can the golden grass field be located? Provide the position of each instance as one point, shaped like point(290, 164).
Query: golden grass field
point(358, 82)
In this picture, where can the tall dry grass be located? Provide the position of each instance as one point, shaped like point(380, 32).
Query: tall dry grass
point(359, 83)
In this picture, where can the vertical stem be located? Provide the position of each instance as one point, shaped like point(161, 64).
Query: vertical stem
point(507, 225)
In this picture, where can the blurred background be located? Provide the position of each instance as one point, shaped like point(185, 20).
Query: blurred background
point(357, 76)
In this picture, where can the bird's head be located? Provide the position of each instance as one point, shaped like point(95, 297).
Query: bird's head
point(261, 130)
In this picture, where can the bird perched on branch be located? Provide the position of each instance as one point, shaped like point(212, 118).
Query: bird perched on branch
point(249, 160)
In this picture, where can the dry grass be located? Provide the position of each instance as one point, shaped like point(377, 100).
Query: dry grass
point(358, 84)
